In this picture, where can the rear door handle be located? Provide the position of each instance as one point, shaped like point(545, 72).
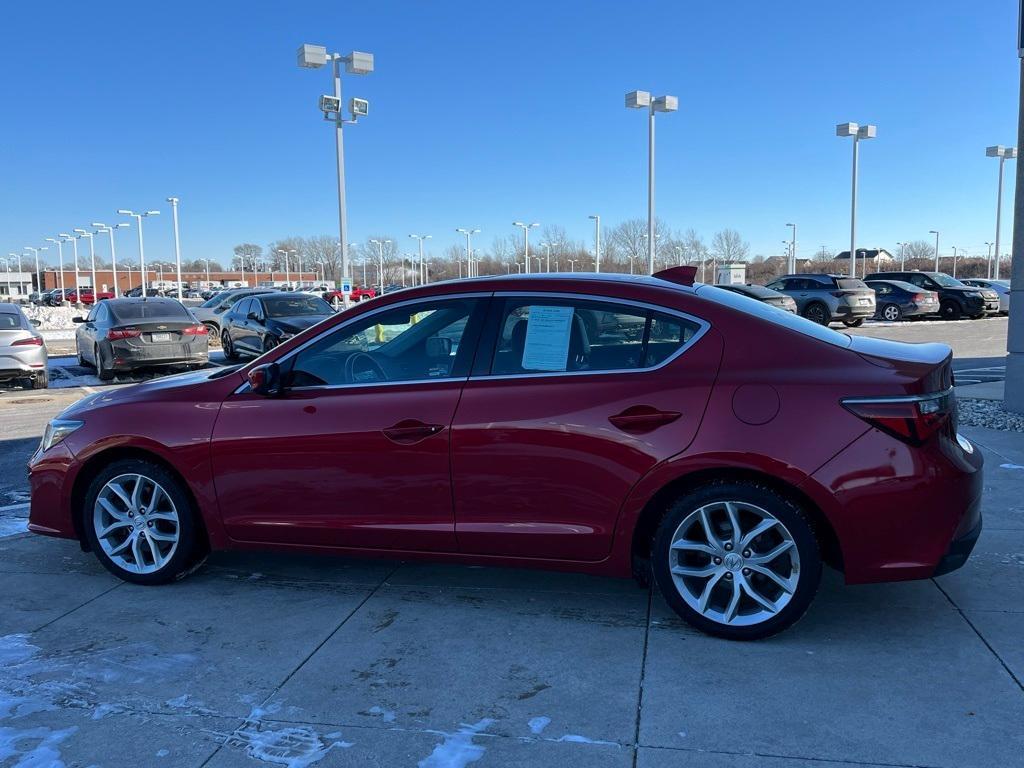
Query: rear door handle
point(410, 431)
point(638, 419)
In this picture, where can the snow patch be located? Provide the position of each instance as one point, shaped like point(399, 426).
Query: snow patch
point(1011, 466)
point(574, 738)
point(293, 747)
point(163, 753)
point(457, 750)
point(386, 715)
point(538, 724)
point(33, 747)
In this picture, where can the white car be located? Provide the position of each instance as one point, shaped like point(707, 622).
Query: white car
point(1002, 287)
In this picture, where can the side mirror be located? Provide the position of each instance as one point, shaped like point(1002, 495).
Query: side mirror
point(266, 380)
point(253, 316)
point(35, 323)
point(439, 347)
point(77, 319)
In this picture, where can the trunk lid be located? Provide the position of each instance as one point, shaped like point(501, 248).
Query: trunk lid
point(927, 367)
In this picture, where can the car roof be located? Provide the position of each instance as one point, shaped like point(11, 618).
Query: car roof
point(10, 308)
point(910, 287)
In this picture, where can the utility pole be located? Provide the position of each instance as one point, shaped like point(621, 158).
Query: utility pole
point(1013, 396)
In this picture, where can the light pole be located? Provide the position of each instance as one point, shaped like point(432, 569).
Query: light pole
point(858, 132)
point(380, 263)
point(422, 270)
point(207, 262)
point(356, 63)
point(469, 250)
point(526, 239)
point(988, 261)
point(1004, 154)
point(128, 268)
point(113, 253)
point(572, 265)
point(287, 269)
point(597, 241)
point(39, 277)
point(60, 256)
point(792, 250)
point(643, 100)
point(8, 260)
point(142, 251)
point(78, 279)
point(92, 261)
point(936, 233)
point(903, 261)
point(954, 261)
point(547, 252)
point(177, 243)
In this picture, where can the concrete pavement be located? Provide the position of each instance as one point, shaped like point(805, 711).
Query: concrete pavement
point(317, 661)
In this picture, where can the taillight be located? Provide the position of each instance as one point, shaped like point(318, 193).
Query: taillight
point(123, 333)
point(912, 419)
point(919, 297)
point(196, 330)
point(32, 341)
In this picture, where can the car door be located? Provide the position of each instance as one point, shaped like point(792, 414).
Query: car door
point(355, 451)
point(85, 337)
point(572, 400)
point(235, 320)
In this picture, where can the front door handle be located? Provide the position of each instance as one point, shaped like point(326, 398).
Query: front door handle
point(638, 419)
point(410, 431)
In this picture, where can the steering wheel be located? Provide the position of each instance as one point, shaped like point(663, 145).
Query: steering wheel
point(357, 357)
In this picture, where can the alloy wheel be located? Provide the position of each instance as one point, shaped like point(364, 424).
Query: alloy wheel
point(136, 523)
point(891, 312)
point(734, 563)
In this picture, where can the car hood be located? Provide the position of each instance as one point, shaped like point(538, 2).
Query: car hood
point(297, 323)
point(179, 386)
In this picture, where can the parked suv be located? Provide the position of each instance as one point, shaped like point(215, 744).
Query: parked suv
point(955, 298)
point(828, 298)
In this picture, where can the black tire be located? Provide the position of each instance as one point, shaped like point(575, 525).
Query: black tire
point(41, 380)
point(103, 373)
point(891, 312)
point(854, 323)
point(795, 520)
point(950, 310)
point(82, 362)
point(212, 331)
point(230, 353)
point(190, 548)
point(269, 342)
point(818, 313)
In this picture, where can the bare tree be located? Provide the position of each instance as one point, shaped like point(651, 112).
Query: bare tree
point(246, 252)
point(729, 247)
point(919, 249)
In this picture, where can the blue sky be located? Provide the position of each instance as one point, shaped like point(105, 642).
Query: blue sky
point(482, 113)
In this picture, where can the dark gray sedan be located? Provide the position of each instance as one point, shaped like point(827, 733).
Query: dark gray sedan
point(122, 335)
point(767, 295)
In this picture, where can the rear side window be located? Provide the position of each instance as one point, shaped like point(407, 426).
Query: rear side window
point(9, 322)
point(850, 283)
point(539, 335)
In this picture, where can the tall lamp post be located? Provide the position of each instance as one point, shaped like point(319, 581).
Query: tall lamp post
point(792, 250)
point(39, 277)
point(469, 251)
point(78, 279)
point(858, 132)
point(113, 253)
point(526, 239)
point(356, 63)
point(142, 251)
point(177, 242)
point(643, 100)
point(422, 271)
point(597, 241)
point(1004, 154)
point(902, 259)
point(380, 262)
point(59, 242)
point(936, 233)
point(92, 261)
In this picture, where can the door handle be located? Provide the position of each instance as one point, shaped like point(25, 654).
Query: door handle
point(638, 419)
point(410, 431)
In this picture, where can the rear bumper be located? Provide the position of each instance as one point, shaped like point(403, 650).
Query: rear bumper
point(959, 549)
point(847, 312)
point(921, 309)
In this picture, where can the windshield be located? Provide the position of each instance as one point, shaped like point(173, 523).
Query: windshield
point(945, 280)
point(295, 306)
point(142, 310)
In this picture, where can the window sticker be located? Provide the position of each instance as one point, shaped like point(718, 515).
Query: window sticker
point(547, 338)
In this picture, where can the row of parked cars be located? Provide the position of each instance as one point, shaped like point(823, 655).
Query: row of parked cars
point(892, 296)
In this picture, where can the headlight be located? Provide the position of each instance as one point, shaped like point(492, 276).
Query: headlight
point(57, 430)
point(973, 294)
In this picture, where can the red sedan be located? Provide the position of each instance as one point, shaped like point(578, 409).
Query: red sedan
point(88, 297)
point(602, 423)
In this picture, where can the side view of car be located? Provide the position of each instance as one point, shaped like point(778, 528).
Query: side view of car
point(210, 312)
point(823, 298)
point(88, 296)
point(258, 323)
point(1001, 287)
point(761, 293)
point(122, 335)
point(956, 300)
point(896, 300)
point(22, 351)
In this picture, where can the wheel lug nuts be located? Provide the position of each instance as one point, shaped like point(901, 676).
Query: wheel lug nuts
point(746, 553)
point(728, 576)
point(746, 571)
point(718, 561)
point(728, 547)
point(149, 524)
point(131, 514)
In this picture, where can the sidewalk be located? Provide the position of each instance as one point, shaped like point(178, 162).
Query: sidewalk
point(265, 659)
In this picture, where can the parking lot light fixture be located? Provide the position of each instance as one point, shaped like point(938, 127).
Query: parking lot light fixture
point(902, 259)
point(526, 239)
point(858, 132)
point(423, 268)
point(69, 238)
point(92, 259)
point(470, 271)
point(356, 63)
point(59, 242)
point(142, 251)
point(1004, 154)
point(113, 252)
point(177, 243)
point(597, 241)
point(643, 100)
point(39, 276)
point(792, 250)
point(936, 233)
point(380, 263)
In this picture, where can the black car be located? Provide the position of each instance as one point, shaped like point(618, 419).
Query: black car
point(259, 323)
point(211, 312)
point(955, 299)
point(136, 292)
point(896, 300)
point(126, 334)
point(761, 293)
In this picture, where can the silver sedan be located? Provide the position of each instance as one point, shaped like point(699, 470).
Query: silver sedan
point(22, 351)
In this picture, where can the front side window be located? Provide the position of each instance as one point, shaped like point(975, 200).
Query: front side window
point(296, 306)
point(417, 342)
point(242, 309)
point(539, 335)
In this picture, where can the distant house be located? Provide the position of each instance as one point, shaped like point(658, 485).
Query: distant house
point(867, 253)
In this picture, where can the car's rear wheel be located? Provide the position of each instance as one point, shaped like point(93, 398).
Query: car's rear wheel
point(854, 323)
point(140, 522)
point(41, 380)
point(737, 560)
point(817, 313)
point(892, 313)
point(104, 372)
point(229, 348)
point(269, 343)
point(950, 310)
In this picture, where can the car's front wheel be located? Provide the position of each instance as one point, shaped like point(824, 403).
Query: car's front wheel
point(228, 346)
point(817, 313)
point(140, 523)
point(737, 560)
